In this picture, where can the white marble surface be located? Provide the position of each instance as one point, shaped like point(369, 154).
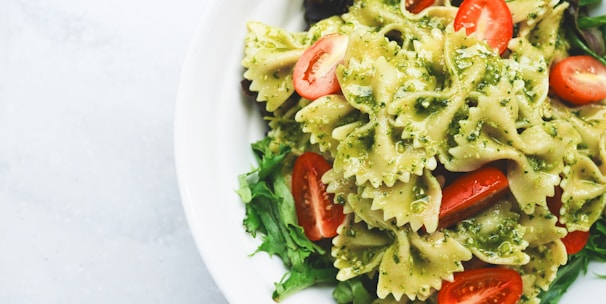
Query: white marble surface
point(89, 206)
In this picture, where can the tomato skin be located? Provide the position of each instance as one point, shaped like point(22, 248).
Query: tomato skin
point(483, 286)
point(579, 79)
point(471, 193)
point(490, 19)
point(416, 6)
point(316, 212)
point(314, 74)
point(574, 241)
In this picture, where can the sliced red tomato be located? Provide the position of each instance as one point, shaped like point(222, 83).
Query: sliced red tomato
point(574, 241)
point(482, 286)
point(470, 194)
point(416, 6)
point(579, 79)
point(490, 20)
point(314, 73)
point(316, 212)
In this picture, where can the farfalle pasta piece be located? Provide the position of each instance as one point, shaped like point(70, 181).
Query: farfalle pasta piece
point(508, 118)
point(545, 250)
point(541, 227)
point(373, 14)
point(583, 178)
point(372, 155)
point(375, 152)
point(584, 194)
point(541, 270)
point(533, 177)
point(271, 51)
point(538, 22)
point(529, 12)
point(416, 203)
point(359, 250)
point(339, 186)
point(411, 264)
point(495, 236)
point(362, 210)
point(416, 265)
point(590, 123)
point(528, 75)
point(326, 114)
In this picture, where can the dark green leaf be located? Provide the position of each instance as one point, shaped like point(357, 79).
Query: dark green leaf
point(352, 291)
point(267, 159)
point(577, 43)
point(589, 2)
point(589, 40)
point(589, 22)
point(270, 213)
point(314, 271)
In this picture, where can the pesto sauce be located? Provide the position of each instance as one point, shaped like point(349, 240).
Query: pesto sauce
point(426, 106)
point(502, 241)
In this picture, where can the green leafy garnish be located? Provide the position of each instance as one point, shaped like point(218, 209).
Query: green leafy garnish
point(270, 212)
point(585, 33)
point(352, 291)
point(270, 208)
point(317, 270)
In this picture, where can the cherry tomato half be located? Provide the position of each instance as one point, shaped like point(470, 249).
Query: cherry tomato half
point(579, 79)
point(470, 194)
point(314, 73)
point(490, 19)
point(316, 212)
point(416, 6)
point(574, 241)
point(483, 286)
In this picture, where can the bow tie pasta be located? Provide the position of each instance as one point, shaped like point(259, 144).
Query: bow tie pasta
point(418, 97)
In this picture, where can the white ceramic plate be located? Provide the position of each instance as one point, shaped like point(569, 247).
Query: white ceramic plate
point(213, 130)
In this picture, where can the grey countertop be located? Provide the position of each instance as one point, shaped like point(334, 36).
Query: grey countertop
point(89, 206)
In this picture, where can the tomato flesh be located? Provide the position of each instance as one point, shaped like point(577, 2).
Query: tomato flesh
point(579, 79)
point(470, 194)
point(574, 241)
point(314, 74)
point(490, 20)
point(316, 212)
point(416, 6)
point(484, 285)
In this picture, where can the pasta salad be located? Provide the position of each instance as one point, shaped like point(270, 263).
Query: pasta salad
point(429, 151)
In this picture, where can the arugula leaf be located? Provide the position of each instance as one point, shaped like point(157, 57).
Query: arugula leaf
point(596, 245)
point(321, 271)
point(577, 264)
point(567, 274)
point(270, 207)
point(317, 270)
point(268, 161)
point(270, 213)
point(588, 22)
point(586, 34)
point(580, 46)
point(352, 291)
